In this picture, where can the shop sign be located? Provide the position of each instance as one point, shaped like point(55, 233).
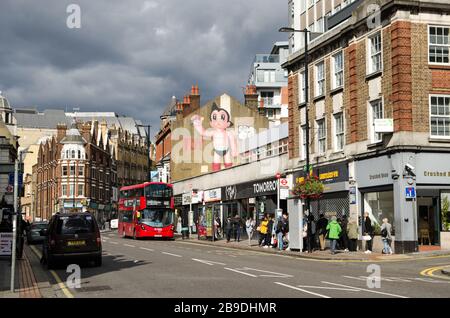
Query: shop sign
point(178, 200)
point(213, 195)
point(250, 189)
point(433, 168)
point(6, 244)
point(374, 172)
point(72, 205)
point(327, 174)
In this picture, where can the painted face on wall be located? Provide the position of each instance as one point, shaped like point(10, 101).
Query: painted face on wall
point(220, 118)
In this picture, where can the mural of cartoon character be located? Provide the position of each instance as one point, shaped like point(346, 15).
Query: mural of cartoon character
point(224, 139)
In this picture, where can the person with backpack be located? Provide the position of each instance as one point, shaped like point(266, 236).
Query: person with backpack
point(322, 230)
point(334, 232)
point(386, 236)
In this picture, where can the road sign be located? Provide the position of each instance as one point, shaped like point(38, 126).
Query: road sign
point(284, 182)
point(11, 179)
point(410, 193)
point(9, 189)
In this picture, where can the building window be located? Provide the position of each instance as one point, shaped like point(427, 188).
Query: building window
point(439, 44)
point(80, 170)
point(64, 190)
point(375, 63)
point(320, 25)
point(339, 131)
point(440, 116)
point(320, 79)
point(79, 154)
point(303, 143)
point(80, 190)
point(338, 64)
point(321, 136)
point(72, 190)
point(376, 109)
point(337, 8)
point(64, 171)
point(302, 86)
point(267, 98)
point(73, 154)
point(72, 170)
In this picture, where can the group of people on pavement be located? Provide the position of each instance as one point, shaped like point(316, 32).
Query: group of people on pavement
point(274, 233)
point(343, 234)
point(233, 226)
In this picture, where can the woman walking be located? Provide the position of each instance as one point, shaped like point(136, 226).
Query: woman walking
point(250, 227)
point(263, 231)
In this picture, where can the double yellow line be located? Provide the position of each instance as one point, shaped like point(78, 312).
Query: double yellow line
point(60, 283)
point(430, 272)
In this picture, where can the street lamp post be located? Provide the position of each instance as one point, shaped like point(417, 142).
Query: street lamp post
point(305, 31)
point(16, 224)
point(148, 149)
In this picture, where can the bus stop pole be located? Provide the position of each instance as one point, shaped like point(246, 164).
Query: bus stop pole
point(14, 243)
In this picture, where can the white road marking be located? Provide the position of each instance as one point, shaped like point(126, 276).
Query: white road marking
point(172, 254)
point(274, 274)
point(115, 243)
point(330, 288)
point(237, 271)
point(363, 289)
point(385, 279)
point(357, 278)
point(207, 262)
point(146, 249)
point(128, 245)
point(302, 290)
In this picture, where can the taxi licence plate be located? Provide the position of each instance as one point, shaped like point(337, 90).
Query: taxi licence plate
point(76, 243)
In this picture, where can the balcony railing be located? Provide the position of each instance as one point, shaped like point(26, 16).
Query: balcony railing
point(267, 58)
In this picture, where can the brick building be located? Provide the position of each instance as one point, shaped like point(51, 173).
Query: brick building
point(379, 111)
point(75, 172)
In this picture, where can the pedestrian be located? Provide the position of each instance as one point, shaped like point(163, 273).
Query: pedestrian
point(281, 230)
point(229, 228)
point(269, 232)
point(344, 238)
point(237, 228)
point(218, 226)
point(386, 235)
point(368, 232)
point(250, 227)
point(322, 230)
point(352, 234)
point(305, 234)
point(334, 231)
point(263, 231)
point(311, 232)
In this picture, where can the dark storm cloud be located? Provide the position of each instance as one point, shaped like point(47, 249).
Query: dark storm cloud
point(131, 56)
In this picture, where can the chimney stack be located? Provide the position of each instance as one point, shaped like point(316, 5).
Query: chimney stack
point(195, 98)
point(251, 97)
point(186, 105)
point(61, 132)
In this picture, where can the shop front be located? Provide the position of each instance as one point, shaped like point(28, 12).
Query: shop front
point(335, 199)
point(411, 190)
point(252, 199)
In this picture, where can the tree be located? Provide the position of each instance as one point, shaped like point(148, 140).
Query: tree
point(445, 213)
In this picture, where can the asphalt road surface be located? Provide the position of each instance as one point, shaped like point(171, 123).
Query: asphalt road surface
point(185, 269)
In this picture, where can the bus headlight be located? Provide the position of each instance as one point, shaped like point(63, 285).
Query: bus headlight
point(143, 227)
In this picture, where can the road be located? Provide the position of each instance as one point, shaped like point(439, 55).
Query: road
point(186, 269)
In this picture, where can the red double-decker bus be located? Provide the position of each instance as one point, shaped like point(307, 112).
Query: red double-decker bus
point(146, 211)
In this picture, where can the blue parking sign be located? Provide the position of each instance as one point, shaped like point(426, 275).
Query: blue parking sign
point(410, 193)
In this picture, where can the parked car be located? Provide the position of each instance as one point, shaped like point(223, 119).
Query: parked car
point(72, 236)
point(34, 232)
point(114, 224)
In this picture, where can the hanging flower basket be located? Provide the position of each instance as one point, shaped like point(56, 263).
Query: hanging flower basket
point(310, 188)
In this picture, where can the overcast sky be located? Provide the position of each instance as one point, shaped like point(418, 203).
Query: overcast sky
point(131, 56)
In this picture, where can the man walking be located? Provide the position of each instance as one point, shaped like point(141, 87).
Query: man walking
point(386, 235)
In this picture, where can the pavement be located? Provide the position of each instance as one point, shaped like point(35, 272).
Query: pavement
point(319, 255)
point(200, 269)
